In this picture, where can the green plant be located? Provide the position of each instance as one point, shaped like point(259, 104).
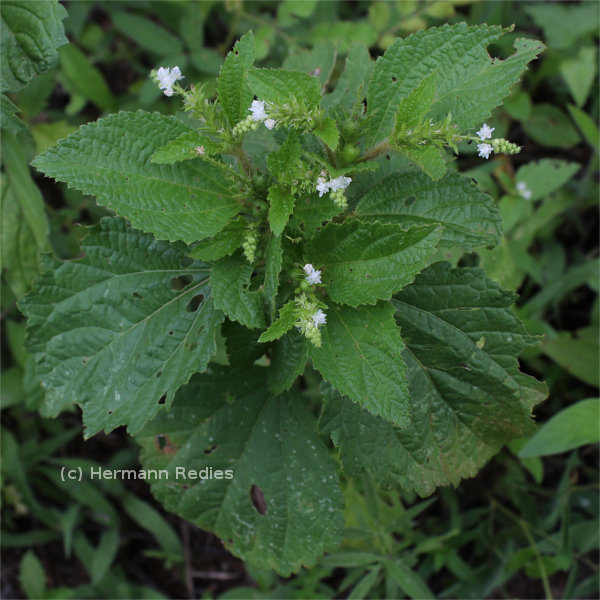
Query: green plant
point(325, 251)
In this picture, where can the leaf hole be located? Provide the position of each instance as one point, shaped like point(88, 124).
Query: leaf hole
point(210, 449)
point(110, 412)
point(164, 444)
point(83, 360)
point(180, 282)
point(170, 333)
point(158, 375)
point(138, 296)
point(394, 79)
point(162, 399)
point(194, 303)
point(258, 499)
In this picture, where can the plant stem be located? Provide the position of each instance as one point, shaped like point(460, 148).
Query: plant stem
point(376, 151)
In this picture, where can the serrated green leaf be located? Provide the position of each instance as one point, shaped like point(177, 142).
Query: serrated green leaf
point(313, 212)
point(471, 84)
point(282, 507)
point(278, 86)
point(317, 62)
point(283, 163)
point(273, 262)
point(289, 355)
point(148, 35)
point(229, 279)
point(281, 206)
point(469, 217)
point(224, 243)
point(327, 131)
point(30, 33)
point(428, 157)
point(116, 330)
point(187, 146)
point(8, 117)
point(361, 356)
point(284, 322)
point(468, 397)
point(408, 580)
point(84, 78)
point(235, 97)
point(111, 160)
point(353, 82)
point(19, 252)
point(366, 262)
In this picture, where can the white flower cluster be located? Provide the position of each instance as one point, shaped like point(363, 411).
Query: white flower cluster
point(313, 276)
point(257, 108)
point(310, 318)
point(485, 133)
point(166, 78)
point(339, 183)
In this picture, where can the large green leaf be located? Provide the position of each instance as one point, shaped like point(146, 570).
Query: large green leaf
point(366, 262)
point(282, 507)
point(111, 160)
point(30, 33)
point(468, 397)
point(470, 83)
point(120, 328)
point(468, 216)
point(235, 96)
point(288, 359)
point(229, 279)
point(278, 86)
point(361, 356)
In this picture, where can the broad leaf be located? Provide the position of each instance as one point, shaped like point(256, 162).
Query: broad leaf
point(284, 322)
point(289, 355)
point(224, 243)
point(30, 33)
point(468, 397)
point(327, 132)
point(118, 329)
point(469, 217)
point(241, 344)
point(366, 262)
point(470, 83)
point(281, 206)
point(279, 87)
point(235, 97)
point(281, 508)
point(361, 356)
point(111, 160)
point(8, 117)
point(229, 279)
point(283, 163)
point(187, 146)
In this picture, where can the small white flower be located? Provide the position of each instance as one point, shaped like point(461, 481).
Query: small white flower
point(313, 276)
point(523, 190)
point(167, 77)
point(322, 186)
point(270, 123)
point(257, 109)
point(485, 133)
point(319, 318)
point(199, 150)
point(484, 150)
point(340, 183)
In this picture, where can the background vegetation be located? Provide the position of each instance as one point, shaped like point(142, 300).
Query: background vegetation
point(526, 527)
